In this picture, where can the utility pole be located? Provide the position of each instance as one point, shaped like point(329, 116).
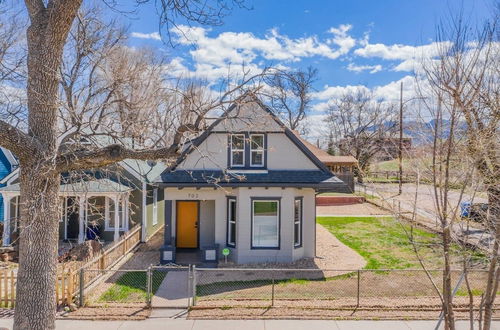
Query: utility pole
point(401, 140)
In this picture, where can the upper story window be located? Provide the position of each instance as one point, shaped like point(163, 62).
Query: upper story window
point(247, 150)
point(238, 150)
point(257, 150)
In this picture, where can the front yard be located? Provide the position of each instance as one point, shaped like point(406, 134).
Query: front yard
point(392, 277)
point(132, 287)
point(386, 243)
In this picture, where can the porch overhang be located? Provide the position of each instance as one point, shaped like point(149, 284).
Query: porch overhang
point(98, 187)
point(317, 180)
point(83, 190)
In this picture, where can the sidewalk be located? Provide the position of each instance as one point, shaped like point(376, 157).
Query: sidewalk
point(183, 324)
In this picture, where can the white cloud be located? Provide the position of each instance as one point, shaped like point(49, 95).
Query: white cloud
point(360, 68)
point(411, 57)
point(152, 35)
point(342, 39)
point(229, 53)
point(245, 47)
point(384, 93)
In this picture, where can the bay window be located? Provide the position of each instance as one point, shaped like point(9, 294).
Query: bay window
point(265, 223)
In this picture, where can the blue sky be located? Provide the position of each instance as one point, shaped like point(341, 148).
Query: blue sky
point(374, 44)
point(388, 22)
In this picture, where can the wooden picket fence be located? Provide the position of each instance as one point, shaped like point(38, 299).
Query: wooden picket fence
point(8, 280)
point(68, 280)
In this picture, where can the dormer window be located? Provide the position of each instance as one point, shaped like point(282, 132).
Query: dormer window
point(257, 150)
point(247, 151)
point(238, 150)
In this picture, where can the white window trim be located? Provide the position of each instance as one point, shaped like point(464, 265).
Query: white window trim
point(278, 209)
point(109, 224)
point(298, 221)
point(155, 206)
point(240, 150)
point(259, 149)
point(229, 222)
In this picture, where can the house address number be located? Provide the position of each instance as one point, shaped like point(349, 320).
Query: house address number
point(192, 195)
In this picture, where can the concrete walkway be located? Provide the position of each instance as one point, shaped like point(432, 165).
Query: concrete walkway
point(173, 291)
point(183, 324)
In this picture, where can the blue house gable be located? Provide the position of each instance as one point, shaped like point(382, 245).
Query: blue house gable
point(7, 165)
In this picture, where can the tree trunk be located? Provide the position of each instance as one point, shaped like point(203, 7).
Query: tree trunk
point(449, 318)
point(493, 271)
point(38, 243)
point(35, 296)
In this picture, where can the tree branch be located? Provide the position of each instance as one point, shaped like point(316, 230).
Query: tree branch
point(34, 7)
point(20, 143)
point(82, 160)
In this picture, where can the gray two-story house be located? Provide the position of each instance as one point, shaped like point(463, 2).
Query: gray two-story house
point(246, 184)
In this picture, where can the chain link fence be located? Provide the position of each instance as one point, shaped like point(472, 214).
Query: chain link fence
point(389, 289)
point(396, 289)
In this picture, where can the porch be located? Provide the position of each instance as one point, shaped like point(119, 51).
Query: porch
point(97, 209)
point(190, 233)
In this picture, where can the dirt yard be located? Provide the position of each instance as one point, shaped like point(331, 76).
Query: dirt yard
point(330, 254)
point(363, 209)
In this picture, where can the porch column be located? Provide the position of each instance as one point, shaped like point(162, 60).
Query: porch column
point(82, 203)
point(6, 220)
point(125, 211)
point(117, 218)
point(144, 213)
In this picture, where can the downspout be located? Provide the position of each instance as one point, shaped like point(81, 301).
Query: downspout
point(144, 213)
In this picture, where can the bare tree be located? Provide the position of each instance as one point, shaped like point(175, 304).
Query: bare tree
point(41, 157)
point(466, 72)
point(12, 64)
point(361, 123)
point(289, 93)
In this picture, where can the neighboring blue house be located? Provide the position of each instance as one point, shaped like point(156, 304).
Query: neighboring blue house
point(8, 163)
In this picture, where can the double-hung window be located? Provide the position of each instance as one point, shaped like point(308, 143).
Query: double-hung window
point(297, 222)
point(265, 223)
point(110, 209)
point(238, 150)
point(257, 150)
point(231, 222)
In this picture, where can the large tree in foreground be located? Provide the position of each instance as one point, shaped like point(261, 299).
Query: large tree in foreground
point(40, 154)
point(466, 73)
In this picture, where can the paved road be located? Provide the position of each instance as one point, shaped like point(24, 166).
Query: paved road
point(183, 324)
point(473, 234)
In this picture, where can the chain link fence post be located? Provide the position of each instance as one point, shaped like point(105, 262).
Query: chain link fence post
point(189, 288)
point(82, 287)
point(194, 285)
point(359, 288)
point(149, 286)
point(272, 288)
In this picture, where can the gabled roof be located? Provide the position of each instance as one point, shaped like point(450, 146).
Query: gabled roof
point(247, 98)
point(325, 157)
point(10, 157)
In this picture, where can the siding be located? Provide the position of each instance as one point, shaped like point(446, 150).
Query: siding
point(5, 169)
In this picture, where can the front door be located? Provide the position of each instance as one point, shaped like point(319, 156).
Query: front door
point(187, 224)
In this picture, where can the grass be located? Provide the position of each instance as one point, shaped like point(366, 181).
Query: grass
point(385, 244)
point(389, 165)
point(131, 287)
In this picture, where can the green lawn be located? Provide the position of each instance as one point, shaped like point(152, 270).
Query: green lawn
point(384, 243)
point(389, 165)
point(131, 287)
